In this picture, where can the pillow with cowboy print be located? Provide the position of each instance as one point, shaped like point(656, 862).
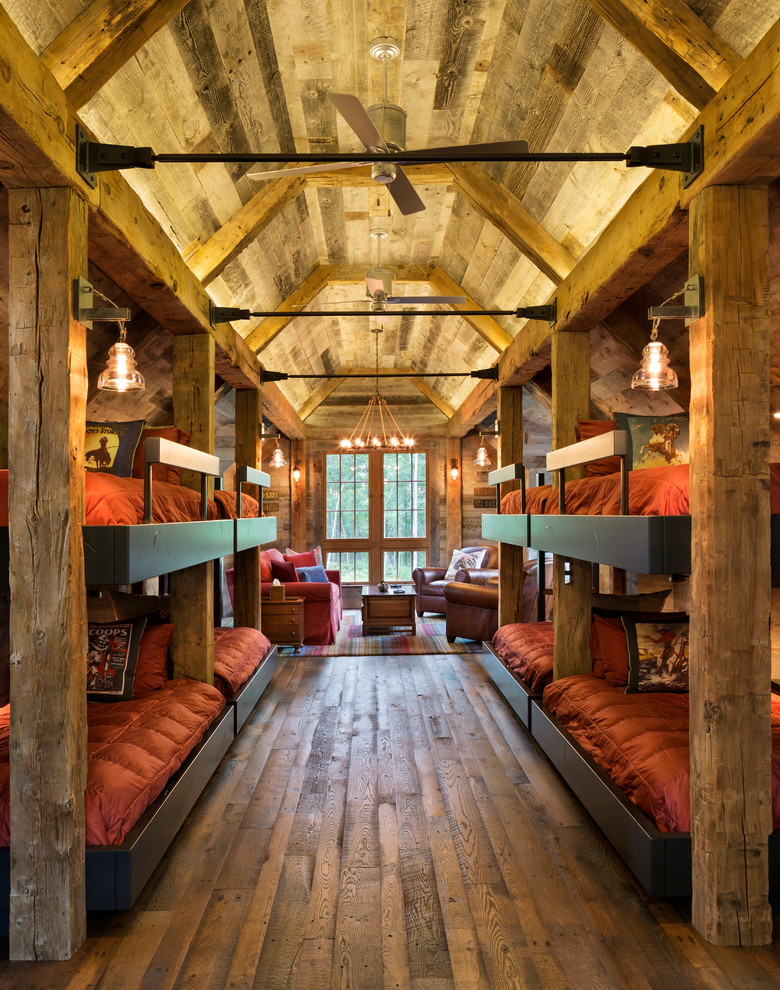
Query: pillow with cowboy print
point(111, 447)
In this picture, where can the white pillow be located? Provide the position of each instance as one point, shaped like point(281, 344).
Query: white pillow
point(462, 561)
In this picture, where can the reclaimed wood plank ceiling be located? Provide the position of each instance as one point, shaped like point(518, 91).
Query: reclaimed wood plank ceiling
point(254, 75)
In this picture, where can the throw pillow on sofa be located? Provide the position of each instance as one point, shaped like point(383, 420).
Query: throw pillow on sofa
point(315, 573)
point(317, 551)
point(465, 560)
point(284, 571)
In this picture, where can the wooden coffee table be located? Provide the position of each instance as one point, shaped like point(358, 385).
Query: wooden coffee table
point(384, 611)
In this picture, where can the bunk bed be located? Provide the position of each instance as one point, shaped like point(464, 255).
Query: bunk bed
point(659, 857)
point(195, 723)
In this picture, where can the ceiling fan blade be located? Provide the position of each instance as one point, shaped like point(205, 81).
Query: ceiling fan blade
point(402, 191)
point(492, 148)
point(304, 170)
point(353, 111)
point(422, 300)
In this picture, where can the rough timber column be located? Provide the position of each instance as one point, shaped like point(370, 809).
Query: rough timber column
point(453, 491)
point(298, 500)
point(510, 558)
point(192, 589)
point(47, 411)
point(246, 572)
point(731, 806)
point(571, 602)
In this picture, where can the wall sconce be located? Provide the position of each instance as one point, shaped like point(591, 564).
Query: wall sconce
point(654, 373)
point(121, 374)
point(454, 469)
point(296, 472)
point(277, 457)
point(482, 460)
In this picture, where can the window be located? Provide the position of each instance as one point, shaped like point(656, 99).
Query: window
point(376, 515)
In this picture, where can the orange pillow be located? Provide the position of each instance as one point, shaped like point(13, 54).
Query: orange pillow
point(586, 430)
point(267, 557)
point(611, 649)
point(160, 472)
point(152, 666)
point(308, 559)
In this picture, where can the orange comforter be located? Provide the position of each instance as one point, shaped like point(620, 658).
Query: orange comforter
point(527, 650)
point(651, 492)
point(112, 501)
point(641, 742)
point(133, 749)
point(237, 655)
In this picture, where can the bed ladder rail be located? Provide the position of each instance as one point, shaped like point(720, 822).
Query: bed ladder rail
point(160, 451)
point(512, 472)
point(613, 444)
point(251, 476)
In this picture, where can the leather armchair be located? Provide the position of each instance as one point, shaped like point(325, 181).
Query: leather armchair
point(472, 610)
point(429, 582)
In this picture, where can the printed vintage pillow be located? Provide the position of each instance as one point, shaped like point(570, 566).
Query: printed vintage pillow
point(465, 560)
point(111, 447)
point(112, 657)
point(655, 441)
point(657, 656)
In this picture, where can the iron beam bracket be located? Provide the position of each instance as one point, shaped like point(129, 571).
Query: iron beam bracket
point(687, 157)
point(490, 373)
point(226, 314)
point(92, 157)
point(273, 376)
point(84, 310)
point(548, 312)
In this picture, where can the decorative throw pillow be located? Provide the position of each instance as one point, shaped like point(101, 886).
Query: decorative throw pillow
point(465, 560)
point(315, 573)
point(111, 447)
point(300, 560)
point(589, 428)
point(657, 656)
point(655, 441)
point(317, 551)
point(152, 666)
point(283, 571)
point(609, 642)
point(160, 472)
point(112, 657)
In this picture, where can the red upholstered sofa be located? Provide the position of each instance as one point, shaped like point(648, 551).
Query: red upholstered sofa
point(321, 603)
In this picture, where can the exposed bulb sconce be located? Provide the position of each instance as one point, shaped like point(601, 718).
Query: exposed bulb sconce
point(296, 472)
point(482, 460)
point(454, 469)
point(277, 457)
point(654, 373)
point(121, 374)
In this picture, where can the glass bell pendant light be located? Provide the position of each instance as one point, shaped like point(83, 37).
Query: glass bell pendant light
point(654, 372)
point(277, 457)
point(482, 459)
point(121, 374)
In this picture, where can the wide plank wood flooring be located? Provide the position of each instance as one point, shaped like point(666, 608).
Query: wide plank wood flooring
point(386, 822)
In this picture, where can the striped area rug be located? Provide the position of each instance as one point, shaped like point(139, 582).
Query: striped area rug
point(430, 639)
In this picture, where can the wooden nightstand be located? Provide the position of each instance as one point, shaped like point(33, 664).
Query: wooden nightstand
point(282, 621)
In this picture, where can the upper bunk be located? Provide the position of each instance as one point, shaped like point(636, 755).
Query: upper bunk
point(635, 520)
point(177, 529)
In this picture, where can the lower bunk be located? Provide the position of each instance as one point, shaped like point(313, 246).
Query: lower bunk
point(149, 760)
point(624, 754)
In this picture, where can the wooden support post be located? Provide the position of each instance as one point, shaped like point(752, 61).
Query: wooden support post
point(453, 490)
point(246, 564)
point(731, 779)
point(47, 411)
point(510, 558)
point(298, 538)
point(571, 601)
point(192, 589)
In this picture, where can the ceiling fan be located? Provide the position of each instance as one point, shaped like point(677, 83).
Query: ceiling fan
point(382, 128)
point(379, 285)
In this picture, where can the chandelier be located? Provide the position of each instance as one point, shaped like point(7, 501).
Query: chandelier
point(377, 428)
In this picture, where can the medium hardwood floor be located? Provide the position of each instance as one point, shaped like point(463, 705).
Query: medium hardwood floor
point(386, 822)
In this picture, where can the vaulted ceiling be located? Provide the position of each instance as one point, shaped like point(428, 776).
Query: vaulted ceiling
point(254, 76)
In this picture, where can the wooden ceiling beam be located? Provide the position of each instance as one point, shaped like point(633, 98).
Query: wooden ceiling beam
point(350, 178)
point(741, 128)
point(479, 403)
point(503, 210)
point(264, 332)
point(318, 396)
point(104, 36)
point(356, 274)
point(210, 259)
point(281, 412)
point(433, 396)
point(687, 53)
point(37, 147)
point(489, 329)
